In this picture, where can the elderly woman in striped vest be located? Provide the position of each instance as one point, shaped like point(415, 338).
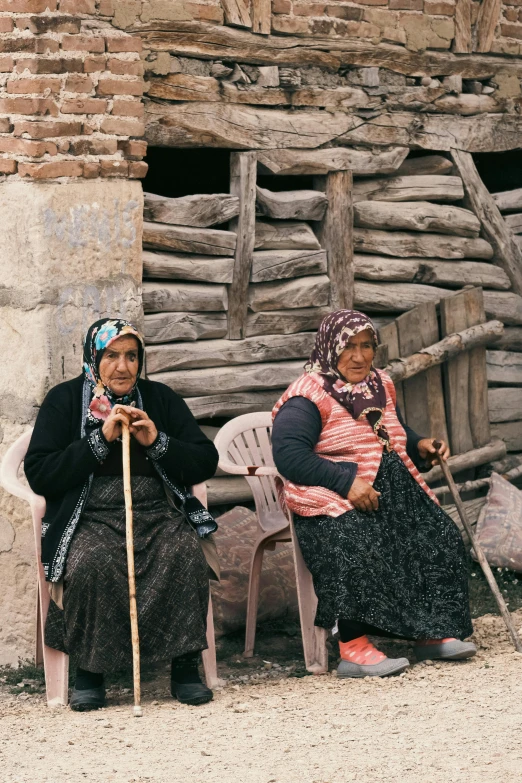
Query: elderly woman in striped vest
point(385, 558)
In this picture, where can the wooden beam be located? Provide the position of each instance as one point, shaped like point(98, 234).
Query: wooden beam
point(319, 162)
point(283, 264)
point(487, 20)
point(181, 266)
point(284, 235)
point(182, 297)
point(205, 241)
point(229, 405)
point(462, 26)
point(514, 222)
point(229, 380)
point(511, 340)
point(236, 13)
point(508, 200)
point(291, 204)
point(405, 245)
point(504, 367)
point(261, 16)
point(496, 449)
point(507, 253)
point(510, 432)
point(198, 211)
point(451, 274)
point(335, 98)
point(428, 187)
point(416, 216)
point(427, 164)
point(505, 404)
point(243, 170)
point(297, 293)
point(336, 235)
point(285, 321)
point(165, 327)
point(388, 336)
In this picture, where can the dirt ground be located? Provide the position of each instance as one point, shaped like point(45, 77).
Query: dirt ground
point(450, 722)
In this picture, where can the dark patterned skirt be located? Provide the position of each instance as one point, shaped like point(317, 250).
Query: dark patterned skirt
point(172, 581)
point(401, 569)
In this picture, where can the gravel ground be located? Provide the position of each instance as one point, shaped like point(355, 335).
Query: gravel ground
point(450, 722)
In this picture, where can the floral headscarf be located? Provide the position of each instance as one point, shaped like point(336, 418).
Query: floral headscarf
point(366, 398)
point(99, 336)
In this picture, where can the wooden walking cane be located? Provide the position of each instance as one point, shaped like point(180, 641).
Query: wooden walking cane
point(481, 557)
point(138, 712)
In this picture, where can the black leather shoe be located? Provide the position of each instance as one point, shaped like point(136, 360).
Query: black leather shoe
point(191, 692)
point(89, 699)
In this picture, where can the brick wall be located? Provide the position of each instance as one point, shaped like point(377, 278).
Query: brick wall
point(70, 93)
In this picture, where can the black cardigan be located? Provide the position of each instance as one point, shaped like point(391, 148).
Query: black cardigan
point(59, 462)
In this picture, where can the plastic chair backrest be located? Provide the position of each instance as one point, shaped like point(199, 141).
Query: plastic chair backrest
point(245, 448)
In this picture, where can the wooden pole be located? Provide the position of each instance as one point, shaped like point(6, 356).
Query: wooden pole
point(481, 557)
point(138, 712)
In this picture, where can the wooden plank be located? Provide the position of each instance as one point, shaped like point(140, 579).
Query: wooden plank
point(504, 305)
point(504, 367)
point(198, 211)
point(284, 235)
point(467, 104)
point(279, 264)
point(219, 353)
point(205, 241)
point(487, 20)
point(416, 216)
point(508, 200)
point(318, 162)
point(236, 13)
point(426, 164)
point(510, 432)
point(462, 26)
point(514, 222)
point(297, 293)
point(243, 172)
point(175, 297)
point(285, 321)
point(261, 16)
point(451, 274)
point(505, 404)
point(389, 336)
point(229, 405)
point(423, 395)
point(457, 463)
point(465, 376)
point(404, 245)
point(340, 98)
point(172, 266)
point(508, 255)
point(224, 490)
point(511, 340)
point(427, 187)
point(291, 204)
point(185, 87)
point(336, 235)
point(229, 380)
point(165, 327)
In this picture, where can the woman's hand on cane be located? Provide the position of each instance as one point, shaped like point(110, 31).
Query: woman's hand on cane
point(112, 426)
point(363, 496)
point(428, 451)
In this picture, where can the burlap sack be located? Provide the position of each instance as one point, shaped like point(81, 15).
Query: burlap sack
point(499, 526)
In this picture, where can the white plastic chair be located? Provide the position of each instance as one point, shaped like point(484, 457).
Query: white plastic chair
point(245, 449)
point(56, 663)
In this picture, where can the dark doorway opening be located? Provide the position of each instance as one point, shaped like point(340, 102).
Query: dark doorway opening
point(500, 170)
point(187, 172)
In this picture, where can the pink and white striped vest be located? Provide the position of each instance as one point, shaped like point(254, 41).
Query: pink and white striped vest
point(343, 439)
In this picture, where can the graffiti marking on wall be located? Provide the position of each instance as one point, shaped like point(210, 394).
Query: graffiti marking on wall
point(85, 225)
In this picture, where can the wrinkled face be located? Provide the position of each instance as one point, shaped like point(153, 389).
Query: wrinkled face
point(119, 365)
point(356, 360)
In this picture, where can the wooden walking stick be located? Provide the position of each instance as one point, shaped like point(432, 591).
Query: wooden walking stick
point(481, 557)
point(138, 712)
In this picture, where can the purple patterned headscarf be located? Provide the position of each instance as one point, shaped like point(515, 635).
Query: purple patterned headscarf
point(366, 398)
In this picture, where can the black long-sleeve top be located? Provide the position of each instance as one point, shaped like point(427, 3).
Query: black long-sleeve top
point(60, 462)
point(296, 431)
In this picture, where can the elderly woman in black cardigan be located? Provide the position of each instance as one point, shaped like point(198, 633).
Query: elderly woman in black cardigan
point(75, 461)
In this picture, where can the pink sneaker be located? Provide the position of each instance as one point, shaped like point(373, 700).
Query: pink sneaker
point(443, 649)
point(360, 658)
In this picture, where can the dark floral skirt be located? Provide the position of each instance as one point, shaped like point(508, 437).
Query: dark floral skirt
point(401, 569)
point(172, 581)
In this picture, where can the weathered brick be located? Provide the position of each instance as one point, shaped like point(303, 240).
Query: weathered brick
point(120, 87)
point(289, 24)
point(128, 108)
point(29, 86)
point(205, 13)
point(371, 2)
point(114, 168)
point(138, 169)
point(84, 106)
point(63, 145)
point(91, 169)
point(18, 45)
point(120, 127)
point(26, 147)
point(47, 65)
point(94, 147)
point(125, 67)
point(127, 43)
point(511, 31)
point(6, 64)
point(406, 5)
point(83, 43)
point(5, 125)
point(344, 11)
point(46, 46)
point(95, 63)
point(6, 24)
point(133, 148)
point(47, 130)
point(38, 106)
point(281, 7)
point(511, 14)
point(27, 6)
point(78, 6)
point(62, 168)
point(8, 166)
point(309, 9)
point(49, 24)
point(79, 83)
point(322, 27)
point(439, 7)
